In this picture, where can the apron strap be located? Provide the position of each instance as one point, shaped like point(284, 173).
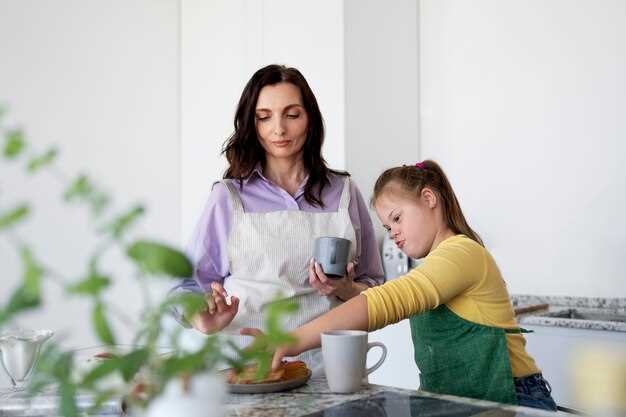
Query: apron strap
point(237, 204)
point(344, 202)
point(518, 330)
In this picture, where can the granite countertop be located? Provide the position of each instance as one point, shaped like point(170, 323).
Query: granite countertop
point(313, 399)
point(591, 313)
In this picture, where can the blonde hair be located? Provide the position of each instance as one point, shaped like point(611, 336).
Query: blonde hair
point(428, 173)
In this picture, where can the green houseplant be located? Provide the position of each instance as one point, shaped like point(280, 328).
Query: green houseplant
point(143, 372)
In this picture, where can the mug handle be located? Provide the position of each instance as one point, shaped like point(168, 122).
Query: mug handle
point(382, 357)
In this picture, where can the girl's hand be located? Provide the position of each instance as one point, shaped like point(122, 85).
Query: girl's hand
point(280, 352)
point(218, 314)
point(343, 288)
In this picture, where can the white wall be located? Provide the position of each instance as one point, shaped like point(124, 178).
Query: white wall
point(218, 59)
point(523, 103)
point(100, 80)
point(381, 79)
point(382, 129)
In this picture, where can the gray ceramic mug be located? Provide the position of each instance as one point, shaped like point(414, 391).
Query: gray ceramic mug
point(332, 253)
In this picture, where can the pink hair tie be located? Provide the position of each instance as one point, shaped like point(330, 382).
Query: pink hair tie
point(420, 165)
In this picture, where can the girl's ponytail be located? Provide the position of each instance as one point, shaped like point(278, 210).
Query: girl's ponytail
point(428, 174)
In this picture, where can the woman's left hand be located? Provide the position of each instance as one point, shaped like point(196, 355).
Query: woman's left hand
point(343, 288)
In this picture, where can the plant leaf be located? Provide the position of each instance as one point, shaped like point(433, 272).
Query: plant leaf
point(130, 364)
point(28, 295)
point(158, 259)
point(32, 272)
point(20, 300)
point(67, 404)
point(38, 162)
point(122, 223)
point(92, 285)
point(63, 366)
point(101, 370)
point(274, 313)
point(98, 201)
point(14, 216)
point(191, 303)
point(14, 144)
point(81, 189)
point(264, 361)
point(178, 365)
point(101, 325)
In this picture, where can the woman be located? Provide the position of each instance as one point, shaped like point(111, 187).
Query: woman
point(255, 238)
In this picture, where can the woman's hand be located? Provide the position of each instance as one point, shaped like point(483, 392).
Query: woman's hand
point(343, 288)
point(218, 314)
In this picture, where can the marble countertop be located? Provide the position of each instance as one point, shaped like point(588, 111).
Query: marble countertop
point(606, 314)
point(313, 399)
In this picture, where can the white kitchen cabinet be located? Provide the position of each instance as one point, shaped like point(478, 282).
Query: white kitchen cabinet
point(399, 369)
point(553, 349)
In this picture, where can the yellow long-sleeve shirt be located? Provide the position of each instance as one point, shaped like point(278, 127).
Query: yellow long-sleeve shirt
point(462, 275)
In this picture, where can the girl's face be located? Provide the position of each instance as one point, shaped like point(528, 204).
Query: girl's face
point(412, 223)
point(281, 120)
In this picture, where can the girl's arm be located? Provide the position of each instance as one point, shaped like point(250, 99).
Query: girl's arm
point(351, 315)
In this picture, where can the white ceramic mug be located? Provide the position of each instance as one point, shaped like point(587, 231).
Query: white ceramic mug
point(345, 354)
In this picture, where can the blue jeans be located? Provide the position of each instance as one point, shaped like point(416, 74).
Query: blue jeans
point(534, 391)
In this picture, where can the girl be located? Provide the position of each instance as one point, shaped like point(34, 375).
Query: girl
point(466, 339)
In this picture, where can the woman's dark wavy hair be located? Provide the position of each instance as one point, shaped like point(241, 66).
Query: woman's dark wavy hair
point(243, 149)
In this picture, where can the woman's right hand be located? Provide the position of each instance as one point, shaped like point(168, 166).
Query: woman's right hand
point(214, 319)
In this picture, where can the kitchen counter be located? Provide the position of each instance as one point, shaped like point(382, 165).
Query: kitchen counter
point(314, 400)
point(590, 313)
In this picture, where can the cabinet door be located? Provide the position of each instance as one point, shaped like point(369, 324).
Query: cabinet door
point(554, 349)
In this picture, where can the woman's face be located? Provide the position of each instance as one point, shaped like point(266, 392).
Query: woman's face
point(281, 120)
point(411, 223)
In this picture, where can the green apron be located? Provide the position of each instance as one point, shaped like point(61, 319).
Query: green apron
point(458, 357)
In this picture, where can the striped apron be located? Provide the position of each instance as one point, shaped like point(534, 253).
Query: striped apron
point(269, 254)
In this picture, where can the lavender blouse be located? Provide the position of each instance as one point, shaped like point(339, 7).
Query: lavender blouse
point(208, 247)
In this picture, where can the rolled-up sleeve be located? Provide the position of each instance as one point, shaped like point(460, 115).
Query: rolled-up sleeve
point(369, 269)
point(186, 285)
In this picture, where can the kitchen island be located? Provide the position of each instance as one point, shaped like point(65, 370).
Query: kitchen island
point(315, 400)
